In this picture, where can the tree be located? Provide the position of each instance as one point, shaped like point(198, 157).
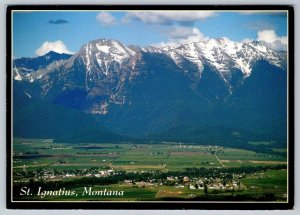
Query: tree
point(205, 188)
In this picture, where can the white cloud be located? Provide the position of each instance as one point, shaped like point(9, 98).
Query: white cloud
point(167, 17)
point(177, 31)
point(270, 38)
point(188, 35)
point(57, 46)
point(178, 26)
point(106, 19)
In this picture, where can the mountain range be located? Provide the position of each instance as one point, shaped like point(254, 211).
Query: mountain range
point(208, 92)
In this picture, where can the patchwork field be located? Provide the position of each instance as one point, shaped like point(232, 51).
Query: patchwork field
point(31, 154)
point(147, 172)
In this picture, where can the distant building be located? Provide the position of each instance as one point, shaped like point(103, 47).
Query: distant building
point(192, 187)
point(140, 184)
point(186, 179)
point(127, 181)
point(171, 178)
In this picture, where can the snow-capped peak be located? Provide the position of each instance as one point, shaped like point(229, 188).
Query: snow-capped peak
point(103, 52)
point(152, 49)
point(224, 55)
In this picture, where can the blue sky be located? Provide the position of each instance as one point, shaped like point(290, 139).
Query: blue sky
point(35, 33)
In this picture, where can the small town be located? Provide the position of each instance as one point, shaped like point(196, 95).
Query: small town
point(223, 182)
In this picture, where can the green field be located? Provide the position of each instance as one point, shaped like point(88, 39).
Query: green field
point(150, 169)
point(133, 157)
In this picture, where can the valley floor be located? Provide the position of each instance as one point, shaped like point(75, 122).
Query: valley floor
point(48, 171)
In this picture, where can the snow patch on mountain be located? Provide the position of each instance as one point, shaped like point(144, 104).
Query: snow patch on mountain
point(101, 54)
point(223, 54)
point(87, 57)
point(244, 66)
point(103, 48)
point(29, 96)
point(17, 77)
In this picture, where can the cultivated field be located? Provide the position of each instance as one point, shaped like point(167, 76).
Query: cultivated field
point(148, 172)
point(31, 154)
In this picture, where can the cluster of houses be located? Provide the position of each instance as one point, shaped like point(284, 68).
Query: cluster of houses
point(177, 182)
point(209, 183)
point(192, 184)
point(52, 174)
point(204, 147)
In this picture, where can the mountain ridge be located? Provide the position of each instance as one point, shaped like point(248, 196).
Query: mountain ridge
point(141, 91)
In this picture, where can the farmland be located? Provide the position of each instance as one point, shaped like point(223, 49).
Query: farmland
point(146, 172)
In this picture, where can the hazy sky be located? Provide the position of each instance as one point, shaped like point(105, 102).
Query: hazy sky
point(37, 32)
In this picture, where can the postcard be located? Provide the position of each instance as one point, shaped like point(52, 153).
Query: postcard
point(150, 107)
